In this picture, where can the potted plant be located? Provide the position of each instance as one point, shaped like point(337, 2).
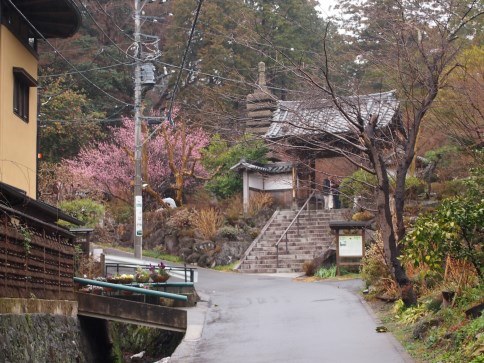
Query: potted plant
point(126, 279)
point(158, 273)
point(113, 279)
point(141, 276)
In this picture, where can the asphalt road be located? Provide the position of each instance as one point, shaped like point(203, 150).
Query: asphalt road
point(275, 318)
point(265, 319)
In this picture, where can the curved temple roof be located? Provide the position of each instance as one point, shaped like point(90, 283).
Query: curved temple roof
point(304, 118)
point(52, 18)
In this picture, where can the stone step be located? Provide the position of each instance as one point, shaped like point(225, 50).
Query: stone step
point(312, 237)
point(291, 256)
point(284, 265)
point(282, 247)
point(271, 270)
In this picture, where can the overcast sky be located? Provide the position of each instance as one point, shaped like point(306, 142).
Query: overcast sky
point(325, 5)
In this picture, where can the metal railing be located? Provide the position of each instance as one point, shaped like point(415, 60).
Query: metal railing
point(185, 273)
point(296, 220)
point(131, 289)
point(257, 239)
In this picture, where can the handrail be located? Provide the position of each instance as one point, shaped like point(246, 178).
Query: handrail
point(256, 240)
point(296, 218)
point(183, 272)
point(130, 288)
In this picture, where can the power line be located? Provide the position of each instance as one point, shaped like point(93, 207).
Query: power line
point(104, 33)
point(114, 22)
point(187, 48)
point(87, 70)
point(62, 56)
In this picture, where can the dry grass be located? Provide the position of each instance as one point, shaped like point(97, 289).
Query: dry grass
point(309, 268)
point(234, 209)
point(376, 272)
point(460, 273)
point(258, 202)
point(207, 222)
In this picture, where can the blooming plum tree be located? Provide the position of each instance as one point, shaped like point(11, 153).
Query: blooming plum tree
point(168, 154)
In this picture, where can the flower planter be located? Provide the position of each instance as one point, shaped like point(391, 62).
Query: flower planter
point(159, 278)
point(142, 278)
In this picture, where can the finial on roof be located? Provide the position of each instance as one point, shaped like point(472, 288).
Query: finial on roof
point(262, 74)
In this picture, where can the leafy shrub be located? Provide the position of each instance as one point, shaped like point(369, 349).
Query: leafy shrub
point(120, 211)
point(258, 202)
point(413, 187)
point(221, 156)
point(455, 229)
point(359, 184)
point(207, 222)
point(448, 189)
point(409, 315)
point(229, 232)
point(86, 210)
point(326, 272)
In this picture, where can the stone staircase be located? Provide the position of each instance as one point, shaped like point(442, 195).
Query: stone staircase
point(314, 238)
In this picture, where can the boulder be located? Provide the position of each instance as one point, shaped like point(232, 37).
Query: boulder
point(185, 252)
point(172, 245)
point(230, 252)
point(205, 260)
point(192, 258)
point(186, 242)
point(204, 246)
point(326, 259)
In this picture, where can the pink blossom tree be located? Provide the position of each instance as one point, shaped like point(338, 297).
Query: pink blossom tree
point(172, 152)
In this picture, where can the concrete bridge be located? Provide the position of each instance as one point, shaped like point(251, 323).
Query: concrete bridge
point(130, 310)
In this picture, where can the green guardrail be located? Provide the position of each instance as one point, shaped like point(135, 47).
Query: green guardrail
point(138, 290)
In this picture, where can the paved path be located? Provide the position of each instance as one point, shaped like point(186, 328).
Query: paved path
point(246, 318)
point(265, 319)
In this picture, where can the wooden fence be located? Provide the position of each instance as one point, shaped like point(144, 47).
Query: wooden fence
point(36, 258)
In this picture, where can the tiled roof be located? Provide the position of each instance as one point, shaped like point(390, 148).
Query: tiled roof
point(300, 118)
point(272, 168)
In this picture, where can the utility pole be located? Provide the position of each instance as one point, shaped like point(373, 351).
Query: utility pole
point(138, 188)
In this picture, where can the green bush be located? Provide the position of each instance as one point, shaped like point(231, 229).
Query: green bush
point(413, 187)
point(229, 232)
point(360, 183)
point(221, 156)
point(455, 229)
point(86, 210)
point(326, 272)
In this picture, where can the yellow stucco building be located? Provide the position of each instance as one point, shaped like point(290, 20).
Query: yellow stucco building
point(23, 24)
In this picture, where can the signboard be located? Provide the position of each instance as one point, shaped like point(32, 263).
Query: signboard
point(351, 246)
point(138, 202)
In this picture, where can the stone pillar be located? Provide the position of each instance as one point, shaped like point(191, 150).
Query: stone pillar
point(245, 192)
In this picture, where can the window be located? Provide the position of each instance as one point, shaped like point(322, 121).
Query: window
point(21, 89)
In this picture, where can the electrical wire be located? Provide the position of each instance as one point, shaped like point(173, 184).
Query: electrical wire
point(114, 22)
point(187, 48)
point(104, 33)
point(64, 58)
point(87, 70)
